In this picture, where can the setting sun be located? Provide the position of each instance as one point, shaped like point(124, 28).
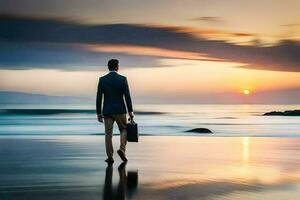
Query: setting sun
point(246, 92)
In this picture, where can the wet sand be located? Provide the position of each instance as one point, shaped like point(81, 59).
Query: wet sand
point(159, 167)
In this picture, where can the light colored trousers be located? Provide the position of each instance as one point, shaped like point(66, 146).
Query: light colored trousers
point(109, 124)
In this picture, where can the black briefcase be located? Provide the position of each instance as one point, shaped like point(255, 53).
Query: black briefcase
point(132, 131)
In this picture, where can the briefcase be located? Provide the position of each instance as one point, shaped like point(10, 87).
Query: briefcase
point(132, 131)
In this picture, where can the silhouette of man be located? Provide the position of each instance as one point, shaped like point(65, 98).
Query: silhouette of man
point(114, 87)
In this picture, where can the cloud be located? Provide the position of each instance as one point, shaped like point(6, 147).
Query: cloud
point(240, 34)
point(19, 55)
point(28, 42)
point(290, 25)
point(209, 19)
point(147, 51)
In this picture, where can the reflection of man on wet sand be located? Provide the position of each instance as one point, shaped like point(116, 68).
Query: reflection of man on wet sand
point(126, 187)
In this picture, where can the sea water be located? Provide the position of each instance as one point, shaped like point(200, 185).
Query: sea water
point(153, 119)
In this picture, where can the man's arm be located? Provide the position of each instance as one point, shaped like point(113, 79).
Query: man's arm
point(128, 98)
point(99, 101)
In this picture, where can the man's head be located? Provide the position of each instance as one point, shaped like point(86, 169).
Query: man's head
point(113, 65)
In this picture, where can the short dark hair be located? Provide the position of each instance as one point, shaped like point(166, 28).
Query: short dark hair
point(113, 64)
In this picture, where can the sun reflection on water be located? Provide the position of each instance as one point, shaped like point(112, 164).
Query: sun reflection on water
point(246, 153)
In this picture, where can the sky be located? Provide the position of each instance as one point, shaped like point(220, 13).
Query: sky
point(193, 51)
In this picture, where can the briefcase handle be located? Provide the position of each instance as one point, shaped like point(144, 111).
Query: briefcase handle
point(130, 120)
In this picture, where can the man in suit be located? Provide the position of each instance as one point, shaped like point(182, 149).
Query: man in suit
point(114, 88)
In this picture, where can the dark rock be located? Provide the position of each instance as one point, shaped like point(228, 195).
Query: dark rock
point(200, 130)
point(285, 113)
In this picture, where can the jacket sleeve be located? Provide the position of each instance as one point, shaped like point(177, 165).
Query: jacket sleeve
point(127, 97)
point(99, 98)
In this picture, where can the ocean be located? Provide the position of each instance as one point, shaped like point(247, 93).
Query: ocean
point(153, 119)
point(58, 151)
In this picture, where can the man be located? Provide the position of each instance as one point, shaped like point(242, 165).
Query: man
point(114, 87)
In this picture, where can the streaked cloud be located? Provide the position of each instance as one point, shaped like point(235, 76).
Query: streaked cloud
point(239, 38)
point(291, 25)
point(148, 51)
point(20, 55)
point(209, 19)
point(39, 43)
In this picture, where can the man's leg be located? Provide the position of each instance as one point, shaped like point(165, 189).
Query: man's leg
point(108, 124)
point(123, 140)
point(122, 124)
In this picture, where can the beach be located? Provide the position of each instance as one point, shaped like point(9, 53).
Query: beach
point(159, 167)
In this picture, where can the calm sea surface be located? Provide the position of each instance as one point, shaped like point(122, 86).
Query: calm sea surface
point(223, 120)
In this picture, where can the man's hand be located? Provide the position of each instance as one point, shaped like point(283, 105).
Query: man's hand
point(131, 115)
point(100, 118)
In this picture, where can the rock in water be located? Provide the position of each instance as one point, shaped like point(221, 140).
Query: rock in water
point(285, 113)
point(200, 130)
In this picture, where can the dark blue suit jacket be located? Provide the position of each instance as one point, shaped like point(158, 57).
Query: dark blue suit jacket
point(113, 87)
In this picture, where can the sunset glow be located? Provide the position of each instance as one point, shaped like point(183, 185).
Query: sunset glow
point(210, 52)
point(246, 92)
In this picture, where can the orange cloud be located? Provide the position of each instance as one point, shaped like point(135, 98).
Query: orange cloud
point(148, 51)
point(213, 34)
